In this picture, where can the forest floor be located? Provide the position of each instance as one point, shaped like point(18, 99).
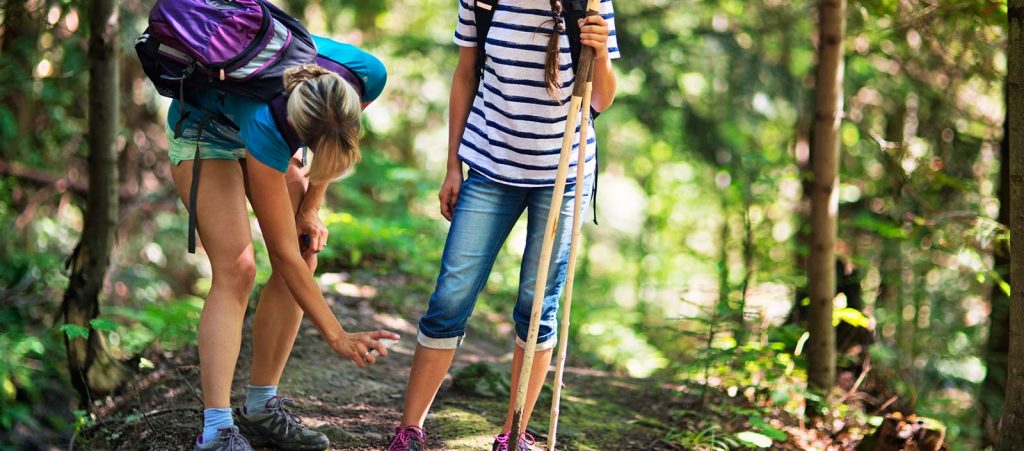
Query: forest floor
point(358, 409)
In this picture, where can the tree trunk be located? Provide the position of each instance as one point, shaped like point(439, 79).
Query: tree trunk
point(722, 308)
point(1012, 427)
point(93, 370)
point(828, 101)
point(993, 388)
point(741, 332)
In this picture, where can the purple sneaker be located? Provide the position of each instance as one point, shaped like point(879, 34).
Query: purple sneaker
point(526, 442)
point(408, 438)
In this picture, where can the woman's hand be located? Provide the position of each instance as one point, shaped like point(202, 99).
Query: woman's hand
point(594, 32)
point(356, 346)
point(312, 233)
point(449, 195)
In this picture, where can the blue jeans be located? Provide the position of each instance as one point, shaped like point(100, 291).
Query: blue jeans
point(484, 215)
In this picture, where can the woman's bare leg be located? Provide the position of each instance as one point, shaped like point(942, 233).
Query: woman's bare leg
point(539, 371)
point(429, 366)
point(223, 226)
point(278, 315)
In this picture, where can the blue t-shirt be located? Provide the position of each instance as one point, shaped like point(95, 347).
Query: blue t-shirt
point(258, 133)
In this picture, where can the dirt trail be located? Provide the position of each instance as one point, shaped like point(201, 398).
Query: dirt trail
point(358, 409)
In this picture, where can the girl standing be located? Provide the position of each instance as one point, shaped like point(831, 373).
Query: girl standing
point(254, 161)
point(507, 127)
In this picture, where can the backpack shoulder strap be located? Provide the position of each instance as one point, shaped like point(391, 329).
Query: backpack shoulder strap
point(279, 112)
point(483, 12)
point(576, 10)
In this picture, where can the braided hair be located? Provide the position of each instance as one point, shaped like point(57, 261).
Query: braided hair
point(551, 66)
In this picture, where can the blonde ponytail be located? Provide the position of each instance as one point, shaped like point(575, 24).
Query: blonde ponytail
point(324, 110)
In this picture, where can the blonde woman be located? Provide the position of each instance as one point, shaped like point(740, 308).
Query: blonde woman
point(249, 153)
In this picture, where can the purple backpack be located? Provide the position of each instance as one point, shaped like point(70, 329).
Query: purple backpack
point(233, 46)
point(236, 46)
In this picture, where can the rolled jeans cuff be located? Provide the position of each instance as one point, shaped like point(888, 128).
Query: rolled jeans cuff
point(541, 345)
point(439, 343)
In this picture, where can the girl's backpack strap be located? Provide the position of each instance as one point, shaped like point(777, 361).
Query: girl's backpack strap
point(577, 10)
point(483, 15)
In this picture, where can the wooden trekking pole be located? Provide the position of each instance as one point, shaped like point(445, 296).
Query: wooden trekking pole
point(584, 71)
point(577, 220)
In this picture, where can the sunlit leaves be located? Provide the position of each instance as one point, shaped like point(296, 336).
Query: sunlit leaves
point(850, 316)
point(73, 331)
point(103, 324)
point(754, 439)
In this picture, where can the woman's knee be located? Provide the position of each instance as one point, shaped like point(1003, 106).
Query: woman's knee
point(238, 275)
point(448, 312)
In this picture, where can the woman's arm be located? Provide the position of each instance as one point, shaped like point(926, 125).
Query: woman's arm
point(307, 220)
point(594, 32)
point(273, 207)
point(314, 197)
point(273, 211)
point(464, 86)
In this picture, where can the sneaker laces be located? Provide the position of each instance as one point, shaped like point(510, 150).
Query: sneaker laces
point(404, 436)
point(235, 440)
point(528, 439)
point(276, 406)
point(525, 439)
point(502, 441)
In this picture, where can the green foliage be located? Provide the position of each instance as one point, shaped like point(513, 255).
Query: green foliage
point(850, 316)
point(17, 375)
point(73, 331)
point(702, 223)
point(754, 440)
point(708, 438)
point(172, 324)
point(378, 243)
point(767, 430)
point(483, 379)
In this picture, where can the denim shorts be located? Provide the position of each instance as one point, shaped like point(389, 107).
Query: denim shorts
point(219, 142)
point(484, 216)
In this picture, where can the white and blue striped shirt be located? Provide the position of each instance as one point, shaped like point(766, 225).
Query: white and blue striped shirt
point(514, 131)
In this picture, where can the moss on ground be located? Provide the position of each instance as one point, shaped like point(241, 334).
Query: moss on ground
point(594, 416)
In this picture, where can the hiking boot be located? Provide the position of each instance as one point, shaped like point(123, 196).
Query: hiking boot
point(228, 439)
point(526, 442)
point(409, 438)
point(279, 427)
